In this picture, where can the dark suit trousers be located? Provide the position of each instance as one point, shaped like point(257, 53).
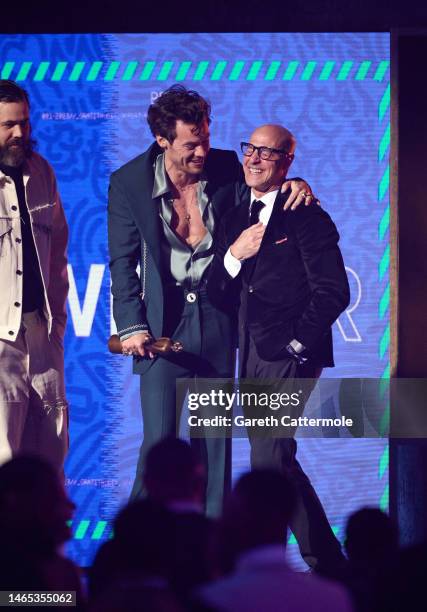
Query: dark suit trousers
point(206, 335)
point(316, 540)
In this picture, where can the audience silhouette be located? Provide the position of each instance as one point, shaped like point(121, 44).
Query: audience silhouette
point(138, 552)
point(371, 544)
point(164, 539)
point(253, 535)
point(34, 516)
point(166, 556)
point(175, 478)
point(174, 475)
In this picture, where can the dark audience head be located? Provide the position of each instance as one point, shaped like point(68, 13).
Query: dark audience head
point(34, 507)
point(173, 473)
point(143, 531)
point(257, 513)
point(139, 551)
point(371, 536)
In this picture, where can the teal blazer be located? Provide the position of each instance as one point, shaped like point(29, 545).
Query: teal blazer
point(134, 226)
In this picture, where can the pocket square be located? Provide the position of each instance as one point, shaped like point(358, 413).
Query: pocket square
point(282, 240)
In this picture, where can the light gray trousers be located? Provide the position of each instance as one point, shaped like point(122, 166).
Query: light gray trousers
point(33, 408)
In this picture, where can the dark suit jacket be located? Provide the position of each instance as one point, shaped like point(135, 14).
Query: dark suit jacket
point(133, 217)
point(295, 287)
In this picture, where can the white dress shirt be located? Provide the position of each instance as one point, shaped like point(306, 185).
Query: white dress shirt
point(234, 265)
point(231, 263)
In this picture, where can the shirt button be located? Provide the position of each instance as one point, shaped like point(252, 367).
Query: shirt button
point(11, 333)
point(14, 208)
point(17, 304)
point(250, 289)
point(18, 240)
point(191, 297)
point(19, 272)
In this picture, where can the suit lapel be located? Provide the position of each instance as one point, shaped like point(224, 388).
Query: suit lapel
point(146, 209)
point(216, 195)
point(273, 229)
point(239, 221)
point(212, 190)
point(275, 223)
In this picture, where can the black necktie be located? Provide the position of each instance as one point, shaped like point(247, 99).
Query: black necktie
point(256, 208)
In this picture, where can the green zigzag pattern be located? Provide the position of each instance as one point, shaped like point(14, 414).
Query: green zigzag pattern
point(383, 270)
point(240, 70)
point(81, 529)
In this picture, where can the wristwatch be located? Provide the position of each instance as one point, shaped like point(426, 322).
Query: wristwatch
point(296, 349)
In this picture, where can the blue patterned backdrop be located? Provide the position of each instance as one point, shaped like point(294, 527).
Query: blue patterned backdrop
point(89, 98)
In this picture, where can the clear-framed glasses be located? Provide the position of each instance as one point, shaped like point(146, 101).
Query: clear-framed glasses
point(265, 153)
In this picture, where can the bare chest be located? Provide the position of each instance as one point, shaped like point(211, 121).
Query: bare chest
point(187, 220)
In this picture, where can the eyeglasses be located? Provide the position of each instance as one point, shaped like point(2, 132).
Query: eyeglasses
point(265, 153)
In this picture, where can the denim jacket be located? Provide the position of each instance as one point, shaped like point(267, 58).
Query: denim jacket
point(50, 234)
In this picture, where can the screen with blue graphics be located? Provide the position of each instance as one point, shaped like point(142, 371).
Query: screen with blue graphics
point(89, 97)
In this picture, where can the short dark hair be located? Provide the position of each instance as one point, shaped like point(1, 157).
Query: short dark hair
point(177, 103)
point(11, 92)
point(266, 492)
point(172, 470)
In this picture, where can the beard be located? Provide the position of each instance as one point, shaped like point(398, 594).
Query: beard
point(15, 152)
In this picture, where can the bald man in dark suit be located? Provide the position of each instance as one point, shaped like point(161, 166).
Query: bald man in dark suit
point(288, 273)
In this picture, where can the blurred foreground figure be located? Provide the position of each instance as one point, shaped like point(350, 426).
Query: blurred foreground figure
point(34, 512)
point(372, 548)
point(253, 536)
point(163, 540)
point(175, 477)
point(34, 286)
